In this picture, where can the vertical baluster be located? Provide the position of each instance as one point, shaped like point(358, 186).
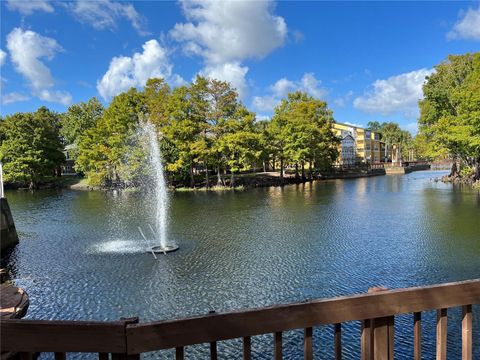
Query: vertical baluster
point(25, 356)
point(442, 334)
point(383, 338)
point(391, 337)
point(179, 353)
point(338, 341)
point(277, 346)
point(60, 356)
point(213, 350)
point(102, 356)
point(308, 344)
point(247, 348)
point(417, 336)
point(467, 332)
point(366, 340)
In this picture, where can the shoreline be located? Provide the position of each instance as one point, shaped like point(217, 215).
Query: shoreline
point(242, 182)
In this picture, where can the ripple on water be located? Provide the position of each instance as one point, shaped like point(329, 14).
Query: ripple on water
point(250, 249)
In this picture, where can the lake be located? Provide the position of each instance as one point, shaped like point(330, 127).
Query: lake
point(81, 256)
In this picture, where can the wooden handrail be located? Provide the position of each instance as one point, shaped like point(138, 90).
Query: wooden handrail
point(128, 337)
point(223, 326)
point(62, 336)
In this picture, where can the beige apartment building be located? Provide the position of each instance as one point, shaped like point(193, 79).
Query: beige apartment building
point(359, 145)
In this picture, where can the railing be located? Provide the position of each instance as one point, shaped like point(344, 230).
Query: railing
point(126, 339)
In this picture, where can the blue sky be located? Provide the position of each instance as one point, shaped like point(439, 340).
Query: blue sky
point(368, 60)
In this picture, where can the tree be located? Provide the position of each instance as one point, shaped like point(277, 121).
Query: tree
point(30, 146)
point(239, 143)
point(104, 151)
point(79, 118)
point(394, 138)
point(182, 145)
point(302, 133)
point(450, 112)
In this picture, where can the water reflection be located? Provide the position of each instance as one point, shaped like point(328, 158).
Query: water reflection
point(243, 249)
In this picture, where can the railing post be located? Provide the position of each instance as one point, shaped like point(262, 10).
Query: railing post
point(125, 355)
point(381, 333)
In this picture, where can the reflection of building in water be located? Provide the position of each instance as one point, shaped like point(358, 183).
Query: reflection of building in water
point(360, 146)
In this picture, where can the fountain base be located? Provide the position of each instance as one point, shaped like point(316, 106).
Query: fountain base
point(163, 249)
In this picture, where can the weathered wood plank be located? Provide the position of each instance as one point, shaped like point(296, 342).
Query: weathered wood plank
point(247, 348)
point(179, 353)
point(62, 336)
point(383, 338)
point(338, 341)
point(26, 356)
point(442, 334)
point(223, 326)
point(391, 336)
point(417, 336)
point(277, 346)
point(60, 356)
point(467, 332)
point(308, 344)
point(366, 340)
point(213, 350)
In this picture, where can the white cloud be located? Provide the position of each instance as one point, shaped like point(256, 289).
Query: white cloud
point(265, 103)
point(232, 72)
point(125, 72)
point(342, 101)
point(230, 30)
point(397, 94)
point(29, 7)
point(468, 26)
point(224, 33)
point(13, 97)
point(104, 14)
point(261, 117)
point(308, 83)
point(26, 49)
point(57, 96)
point(3, 57)
point(353, 124)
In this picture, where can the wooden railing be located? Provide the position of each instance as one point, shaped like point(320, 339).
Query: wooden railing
point(127, 338)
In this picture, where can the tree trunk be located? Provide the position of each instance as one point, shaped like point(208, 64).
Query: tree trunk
point(296, 171)
point(281, 171)
point(477, 170)
point(192, 176)
point(273, 164)
point(219, 177)
point(232, 179)
point(264, 166)
point(310, 170)
point(454, 170)
point(304, 178)
point(207, 182)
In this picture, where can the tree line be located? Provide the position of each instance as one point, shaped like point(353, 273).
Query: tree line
point(449, 123)
point(206, 135)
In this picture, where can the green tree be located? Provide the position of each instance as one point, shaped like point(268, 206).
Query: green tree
point(239, 143)
point(302, 133)
point(79, 118)
point(105, 154)
point(450, 112)
point(30, 146)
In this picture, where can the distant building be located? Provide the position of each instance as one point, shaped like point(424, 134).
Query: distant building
point(68, 168)
point(359, 145)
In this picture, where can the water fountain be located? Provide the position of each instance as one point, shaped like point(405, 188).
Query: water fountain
point(159, 188)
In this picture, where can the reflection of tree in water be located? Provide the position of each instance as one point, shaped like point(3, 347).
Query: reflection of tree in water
point(453, 217)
